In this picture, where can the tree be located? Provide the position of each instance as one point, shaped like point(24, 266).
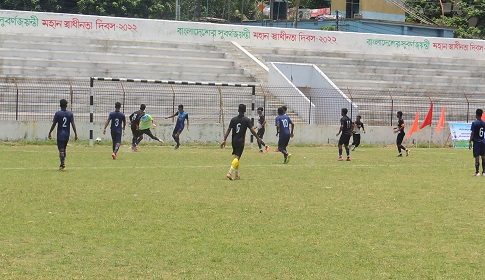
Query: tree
point(467, 16)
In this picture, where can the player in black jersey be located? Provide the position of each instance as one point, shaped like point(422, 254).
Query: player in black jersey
point(64, 119)
point(260, 126)
point(135, 122)
point(346, 130)
point(358, 125)
point(477, 137)
point(399, 129)
point(239, 126)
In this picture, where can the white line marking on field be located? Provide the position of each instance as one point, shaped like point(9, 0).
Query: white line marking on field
point(245, 166)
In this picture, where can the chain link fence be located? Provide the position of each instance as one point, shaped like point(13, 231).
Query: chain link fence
point(36, 99)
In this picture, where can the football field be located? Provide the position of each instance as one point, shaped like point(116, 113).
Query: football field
point(172, 214)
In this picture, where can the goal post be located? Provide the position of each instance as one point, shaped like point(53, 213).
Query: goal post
point(208, 102)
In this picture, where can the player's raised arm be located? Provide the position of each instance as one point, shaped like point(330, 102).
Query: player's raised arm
point(172, 116)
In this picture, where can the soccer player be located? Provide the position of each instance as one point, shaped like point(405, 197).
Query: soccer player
point(134, 123)
point(63, 119)
point(346, 130)
point(358, 124)
point(239, 126)
point(284, 128)
point(477, 136)
point(179, 125)
point(399, 129)
point(146, 122)
point(118, 123)
point(284, 113)
point(260, 126)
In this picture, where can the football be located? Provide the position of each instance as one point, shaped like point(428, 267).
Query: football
point(98, 140)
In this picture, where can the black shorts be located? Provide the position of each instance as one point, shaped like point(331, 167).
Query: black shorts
point(260, 133)
point(478, 149)
point(344, 139)
point(62, 144)
point(136, 133)
point(178, 129)
point(356, 138)
point(400, 138)
point(149, 133)
point(237, 148)
point(283, 142)
point(116, 137)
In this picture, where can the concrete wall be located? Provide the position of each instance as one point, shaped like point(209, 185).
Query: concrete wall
point(301, 75)
point(367, 25)
point(110, 28)
point(380, 6)
point(279, 76)
point(374, 6)
point(382, 16)
point(212, 133)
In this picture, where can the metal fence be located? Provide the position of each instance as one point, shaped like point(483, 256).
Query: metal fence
point(36, 99)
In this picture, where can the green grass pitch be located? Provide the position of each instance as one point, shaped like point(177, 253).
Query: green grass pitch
point(171, 214)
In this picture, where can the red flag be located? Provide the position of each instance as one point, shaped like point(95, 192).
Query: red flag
point(414, 128)
point(441, 122)
point(427, 119)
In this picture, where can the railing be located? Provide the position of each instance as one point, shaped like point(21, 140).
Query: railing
point(23, 99)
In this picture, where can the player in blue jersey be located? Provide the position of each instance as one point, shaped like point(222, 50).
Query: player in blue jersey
point(238, 125)
point(478, 139)
point(346, 130)
point(63, 119)
point(118, 123)
point(179, 125)
point(284, 128)
point(135, 125)
point(399, 129)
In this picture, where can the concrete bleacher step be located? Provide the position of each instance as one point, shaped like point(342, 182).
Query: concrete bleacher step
point(353, 69)
point(46, 56)
point(366, 62)
point(42, 39)
point(115, 65)
point(54, 48)
point(121, 73)
point(114, 57)
point(404, 85)
point(241, 60)
point(366, 77)
point(353, 55)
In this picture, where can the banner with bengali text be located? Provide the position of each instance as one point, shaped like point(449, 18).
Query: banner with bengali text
point(460, 134)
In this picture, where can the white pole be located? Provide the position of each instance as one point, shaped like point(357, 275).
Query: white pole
point(177, 10)
point(91, 113)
